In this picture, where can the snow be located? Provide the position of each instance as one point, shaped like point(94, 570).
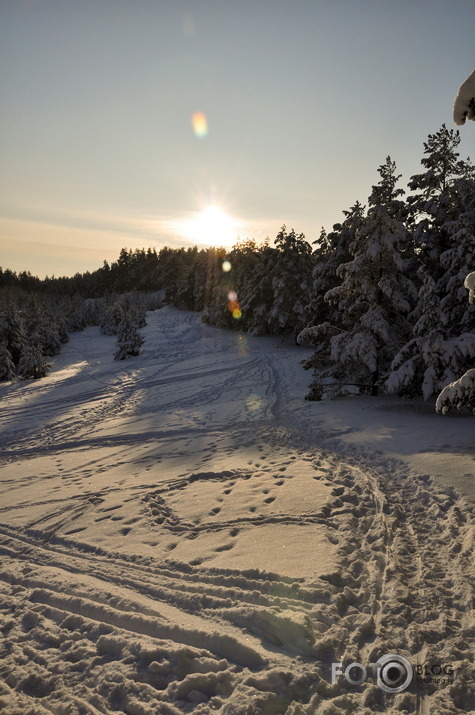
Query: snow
point(182, 532)
point(460, 394)
point(469, 284)
point(464, 105)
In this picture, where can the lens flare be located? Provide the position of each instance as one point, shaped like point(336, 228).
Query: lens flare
point(199, 124)
point(226, 266)
point(242, 346)
point(233, 305)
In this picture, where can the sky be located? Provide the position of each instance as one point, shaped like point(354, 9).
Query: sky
point(148, 123)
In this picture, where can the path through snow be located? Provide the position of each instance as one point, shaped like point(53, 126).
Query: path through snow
point(180, 532)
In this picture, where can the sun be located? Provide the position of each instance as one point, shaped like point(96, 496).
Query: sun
point(212, 227)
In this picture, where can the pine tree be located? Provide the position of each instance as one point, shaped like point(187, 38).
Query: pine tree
point(430, 359)
point(459, 259)
point(333, 250)
point(7, 366)
point(41, 326)
point(376, 294)
point(461, 393)
point(215, 293)
point(291, 281)
point(33, 363)
point(257, 294)
point(134, 307)
point(12, 333)
point(112, 317)
point(444, 324)
point(129, 340)
point(77, 314)
point(433, 202)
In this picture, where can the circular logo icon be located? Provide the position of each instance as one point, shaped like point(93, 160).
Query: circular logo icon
point(394, 673)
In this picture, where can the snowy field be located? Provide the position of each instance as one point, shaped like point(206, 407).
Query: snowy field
point(181, 532)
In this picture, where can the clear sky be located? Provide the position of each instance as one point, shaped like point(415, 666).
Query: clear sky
point(103, 145)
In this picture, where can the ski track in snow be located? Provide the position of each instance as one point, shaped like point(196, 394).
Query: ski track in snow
point(175, 538)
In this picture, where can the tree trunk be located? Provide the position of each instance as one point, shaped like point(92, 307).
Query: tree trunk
point(374, 383)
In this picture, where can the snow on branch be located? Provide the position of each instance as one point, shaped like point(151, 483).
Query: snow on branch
point(464, 105)
point(459, 394)
point(469, 284)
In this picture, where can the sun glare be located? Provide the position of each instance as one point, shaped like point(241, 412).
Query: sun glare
point(212, 227)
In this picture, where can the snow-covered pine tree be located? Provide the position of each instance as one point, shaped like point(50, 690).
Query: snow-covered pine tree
point(430, 359)
point(134, 307)
point(129, 340)
point(183, 290)
point(215, 295)
point(231, 303)
point(61, 323)
point(433, 204)
point(78, 313)
point(12, 333)
point(33, 363)
point(41, 326)
point(459, 259)
point(333, 250)
point(257, 295)
point(291, 283)
point(461, 393)
point(443, 220)
point(376, 292)
point(112, 317)
point(237, 283)
point(329, 256)
point(200, 272)
point(7, 366)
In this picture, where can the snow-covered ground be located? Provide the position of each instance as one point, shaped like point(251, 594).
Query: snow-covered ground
point(182, 532)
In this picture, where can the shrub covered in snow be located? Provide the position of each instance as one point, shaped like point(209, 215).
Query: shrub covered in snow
point(459, 394)
point(32, 328)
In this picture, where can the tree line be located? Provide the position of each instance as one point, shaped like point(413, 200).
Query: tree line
point(381, 296)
